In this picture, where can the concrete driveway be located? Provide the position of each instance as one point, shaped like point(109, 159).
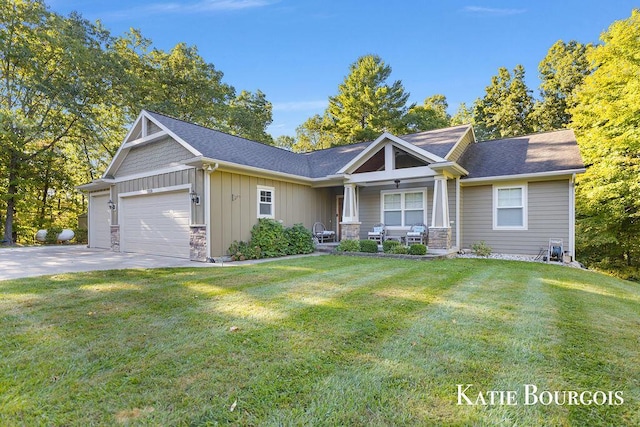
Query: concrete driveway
point(40, 260)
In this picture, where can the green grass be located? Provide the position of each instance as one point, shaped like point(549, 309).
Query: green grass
point(317, 341)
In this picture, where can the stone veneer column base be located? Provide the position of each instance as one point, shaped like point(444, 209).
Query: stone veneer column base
point(350, 230)
point(198, 243)
point(440, 238)
point(115, 238)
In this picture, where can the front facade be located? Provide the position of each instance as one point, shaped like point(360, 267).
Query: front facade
point(182, 190)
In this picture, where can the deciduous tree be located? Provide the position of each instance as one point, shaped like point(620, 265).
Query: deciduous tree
point(606, 118)
point(431, 115)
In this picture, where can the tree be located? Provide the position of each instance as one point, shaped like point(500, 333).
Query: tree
point(606, 118)
point(561, 72)
point(505, 109)
point(316, 133)
point(463, 116)
point(52, 73)
point(366, 105)
point(431, 115)
point(250, 114)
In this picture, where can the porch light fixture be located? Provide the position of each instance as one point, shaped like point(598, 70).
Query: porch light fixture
point(194, 197)
point(397, 181)
point(112, 205)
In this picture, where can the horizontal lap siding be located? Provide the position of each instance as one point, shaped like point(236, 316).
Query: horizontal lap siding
point(234, 207)
point(369, 208)
point(548, 217)
point(155, 155)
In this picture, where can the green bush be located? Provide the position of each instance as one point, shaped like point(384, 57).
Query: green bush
point(268, 235)
point(52, 235)
point(398, 249)
point(240, 251)
point(481, 249)
point(417, 249)
point(370, 246)
point(299, 240)
point(348, 246)
point(81, 235)
point(388, 245)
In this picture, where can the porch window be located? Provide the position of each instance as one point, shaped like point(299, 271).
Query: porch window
point(510, 208)
point(266, 202)
point(403, 209)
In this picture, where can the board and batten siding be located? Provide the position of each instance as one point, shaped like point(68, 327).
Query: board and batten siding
point(548, 217)
point(234, 207)
point(156, 155)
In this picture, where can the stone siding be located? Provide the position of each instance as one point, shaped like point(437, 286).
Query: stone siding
point(198, 243)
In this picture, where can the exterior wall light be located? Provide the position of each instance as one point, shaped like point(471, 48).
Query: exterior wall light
point(194, 197)
point(112, 205)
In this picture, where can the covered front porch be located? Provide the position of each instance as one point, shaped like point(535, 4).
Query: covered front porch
point(399, 204)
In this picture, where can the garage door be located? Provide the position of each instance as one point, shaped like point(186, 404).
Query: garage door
point(156, 224)
point(99, 222)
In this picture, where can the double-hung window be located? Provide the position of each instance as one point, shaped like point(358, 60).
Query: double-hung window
point(510, 207)
point(266, 202)
point(403, 208)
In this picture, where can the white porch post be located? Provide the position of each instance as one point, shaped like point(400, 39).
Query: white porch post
point(440, 230)
point(350, 225)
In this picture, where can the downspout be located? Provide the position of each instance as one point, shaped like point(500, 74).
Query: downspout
point(208, 170)
point(572, 216)
point(458, 237)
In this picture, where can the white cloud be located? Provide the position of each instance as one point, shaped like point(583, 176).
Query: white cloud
point(493, 11)
point(300, 105)
point(202, 6)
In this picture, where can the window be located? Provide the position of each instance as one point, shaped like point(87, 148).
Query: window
point(266, 202)
point(403, 209)
point(510, 208)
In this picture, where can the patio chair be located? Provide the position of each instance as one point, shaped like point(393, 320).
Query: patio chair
point(417, 234)
point(321, 233)
point(378, 233)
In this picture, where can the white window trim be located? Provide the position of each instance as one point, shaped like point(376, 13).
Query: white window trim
point(273, 201)
point(525, 207)
point(402, 193)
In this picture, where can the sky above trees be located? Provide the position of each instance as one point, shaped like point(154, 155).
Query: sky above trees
point(297, 53)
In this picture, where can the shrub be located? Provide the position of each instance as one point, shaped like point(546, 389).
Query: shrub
point(481, 249)
point(81, 235)
point(240, 251)
point(348, 246)
point(388, 245)
point(299, 240)
point(269, 236)
point(52, 235)
point(417, 249)
point(370, 246)
point(398, 249)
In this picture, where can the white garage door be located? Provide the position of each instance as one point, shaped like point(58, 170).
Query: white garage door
point(156, 224)
point(99, 222)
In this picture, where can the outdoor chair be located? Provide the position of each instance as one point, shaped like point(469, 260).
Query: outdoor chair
point(378, 233)
point(321, 233)
point(417, 234)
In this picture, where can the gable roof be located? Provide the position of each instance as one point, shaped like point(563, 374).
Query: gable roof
point(530, 154)
point(547, 152)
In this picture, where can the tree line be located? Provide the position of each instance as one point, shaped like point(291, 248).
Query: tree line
point(69, 90)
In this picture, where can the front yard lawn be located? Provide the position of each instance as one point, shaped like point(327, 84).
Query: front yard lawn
point(320, 341)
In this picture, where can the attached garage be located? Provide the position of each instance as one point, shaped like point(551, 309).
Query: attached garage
point(155, 223)
point(100, 222)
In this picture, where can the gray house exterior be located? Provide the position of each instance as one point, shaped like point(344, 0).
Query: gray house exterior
point(178, 189)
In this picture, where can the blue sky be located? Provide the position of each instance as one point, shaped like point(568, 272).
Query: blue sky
point(298, 52)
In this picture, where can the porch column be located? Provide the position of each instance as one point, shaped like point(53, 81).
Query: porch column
point(440, 230)
point(350, 225)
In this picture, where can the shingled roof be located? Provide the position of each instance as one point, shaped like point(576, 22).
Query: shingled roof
point(543, 152)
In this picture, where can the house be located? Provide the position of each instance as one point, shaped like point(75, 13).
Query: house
point(182, 190)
